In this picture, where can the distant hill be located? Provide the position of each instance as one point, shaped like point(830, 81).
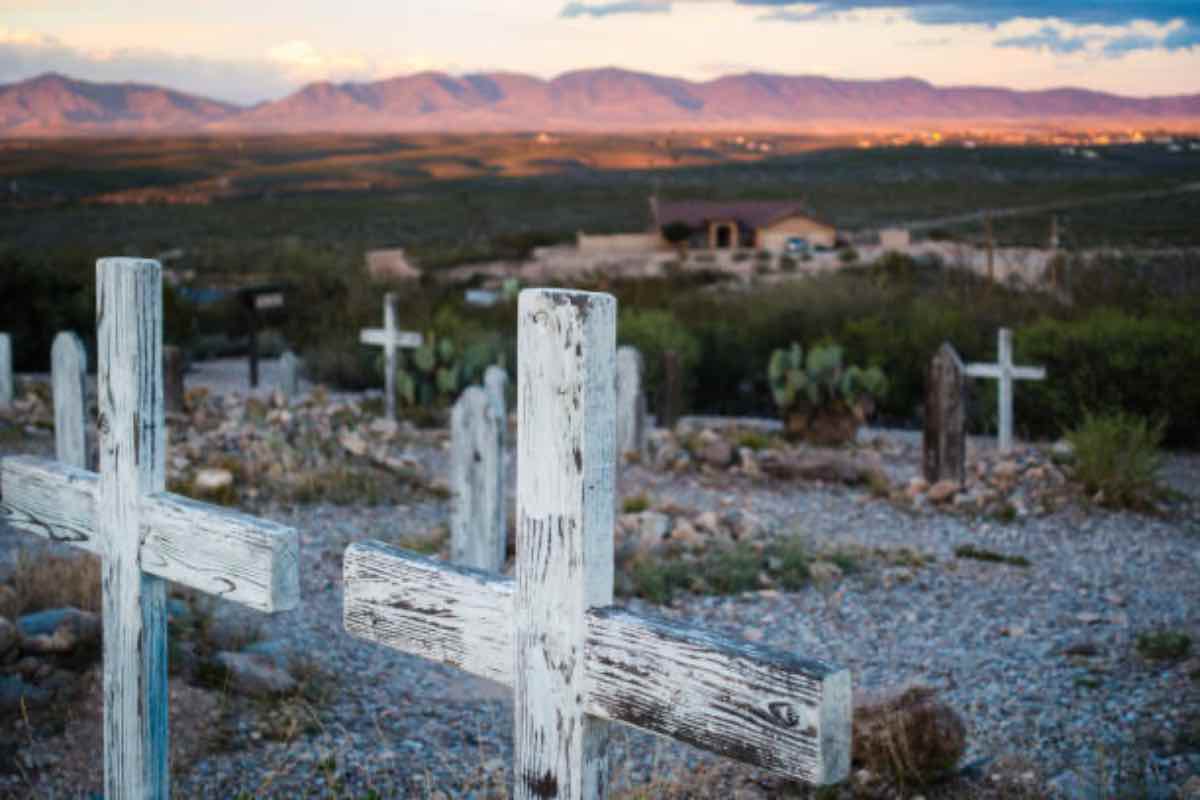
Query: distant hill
point(593, 99)
point(55, 104)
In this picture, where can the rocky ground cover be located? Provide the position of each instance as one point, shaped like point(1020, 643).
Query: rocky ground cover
point(1009, 637)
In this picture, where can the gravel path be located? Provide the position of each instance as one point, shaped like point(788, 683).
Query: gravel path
point(1040, 660)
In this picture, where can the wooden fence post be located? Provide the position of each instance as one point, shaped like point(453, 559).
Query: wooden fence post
point(68, 378)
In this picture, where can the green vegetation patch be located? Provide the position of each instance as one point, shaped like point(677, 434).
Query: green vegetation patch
point(980, 554)
point(1163, 645)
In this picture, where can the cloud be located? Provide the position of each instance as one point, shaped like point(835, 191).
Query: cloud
point(589, 9)
point(1046, 39)
point(960, 12)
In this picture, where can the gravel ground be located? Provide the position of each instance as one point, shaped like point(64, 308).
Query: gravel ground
point(997, 640)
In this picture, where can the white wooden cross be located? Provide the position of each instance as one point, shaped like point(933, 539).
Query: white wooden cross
point(574, 660)
point(390, 338)
point(1006, 373)
point(143, 535)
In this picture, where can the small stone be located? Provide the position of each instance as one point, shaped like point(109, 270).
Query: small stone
point(1085, 647)
point(685, 533)
point(213, 479)
point(748, 462)
point(942, 491)
point(708, 522)
point(715, 450)
point(384, 427)
point(824, 571)
point(652, 527)
point(1089, 618)
point(1005, 471)
point(752, 634)
point(916, 486)
point(353, 443)
point(255, 675)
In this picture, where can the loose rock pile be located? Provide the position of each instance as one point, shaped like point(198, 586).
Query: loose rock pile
point(1010, 485)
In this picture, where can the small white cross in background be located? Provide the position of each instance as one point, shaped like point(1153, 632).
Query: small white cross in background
point(1006, 373)
point(390, 338)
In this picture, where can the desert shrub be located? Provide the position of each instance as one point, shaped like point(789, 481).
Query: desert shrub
point(848, 255)
point(1163, 645)
point(654, 332)
point(1111, 360)
point(1117, 458)
point(912, 738)
point(787, 264)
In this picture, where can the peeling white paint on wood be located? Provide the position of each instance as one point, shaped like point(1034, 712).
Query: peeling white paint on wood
point(132, 464)
point(68, 378)
point(566, 442)
point(760, 706)
point(476, 510)
point(6, 371)
point(573, 660)
point(495, 383)
point(1005, 372)
point(631, 403)
point(390, 338)
point(142, 534)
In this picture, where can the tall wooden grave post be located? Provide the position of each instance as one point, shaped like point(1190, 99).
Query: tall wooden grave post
point(258, 301)
point(68, 379)
point(945, 441)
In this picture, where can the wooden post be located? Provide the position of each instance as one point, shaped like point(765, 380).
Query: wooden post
point(574, 661)
point(132, 464)
point(390, 338)
point(289, 374)
point(566, 345)
point(945, 441)
point(1005, 373)
point(68, 377)
point(495, 383)
point(476, 513)
point(143, 535)
point(173, 368)
point(6, 371)
point(670, 404)
point(631, 404)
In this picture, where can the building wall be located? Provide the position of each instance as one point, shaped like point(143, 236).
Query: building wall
point(774, 237)
point(620, 243)
point(894, 238)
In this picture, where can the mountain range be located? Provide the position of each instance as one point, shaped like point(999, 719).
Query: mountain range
point(589, 100)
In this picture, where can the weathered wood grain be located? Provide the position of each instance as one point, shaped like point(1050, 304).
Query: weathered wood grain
point(132, 464)
point(495, 383)
point(766, 708)
point(944, 440)
point(68, 378)
point(6, 371)
point(215, 550)
point(476, 511)
point(566, 459)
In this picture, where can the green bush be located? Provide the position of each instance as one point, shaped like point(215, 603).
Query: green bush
point(1117, 458)
point(1112, 361)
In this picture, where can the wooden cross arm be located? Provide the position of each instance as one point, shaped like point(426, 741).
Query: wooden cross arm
point(994, 371)
point(379, 336)
point(1029, 373)
point(215, 550)
point(983, 370)
point(769, 709)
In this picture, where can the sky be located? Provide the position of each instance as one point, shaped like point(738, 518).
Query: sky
point(248, 52)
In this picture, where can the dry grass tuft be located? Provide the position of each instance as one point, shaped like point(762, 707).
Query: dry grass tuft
point(42, 580)
point(911, 738)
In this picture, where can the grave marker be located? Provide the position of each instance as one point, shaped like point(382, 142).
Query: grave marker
point(289, 374)
point(945, 441)
point(495, 383)
point(1005, 372)
point(476, 512)
point(143, 535)
point(670, 404)
point(631, 403)
point(575, 661)
point(257, 301)
point(390, 338)
point(68, 379)
point(6, 371)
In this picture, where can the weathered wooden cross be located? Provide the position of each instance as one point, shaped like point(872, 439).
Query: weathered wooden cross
point(1005, 372)
point(574, 660)
point(143, 535)
point(477, 531)
point(390, 338)
point(631, 404)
